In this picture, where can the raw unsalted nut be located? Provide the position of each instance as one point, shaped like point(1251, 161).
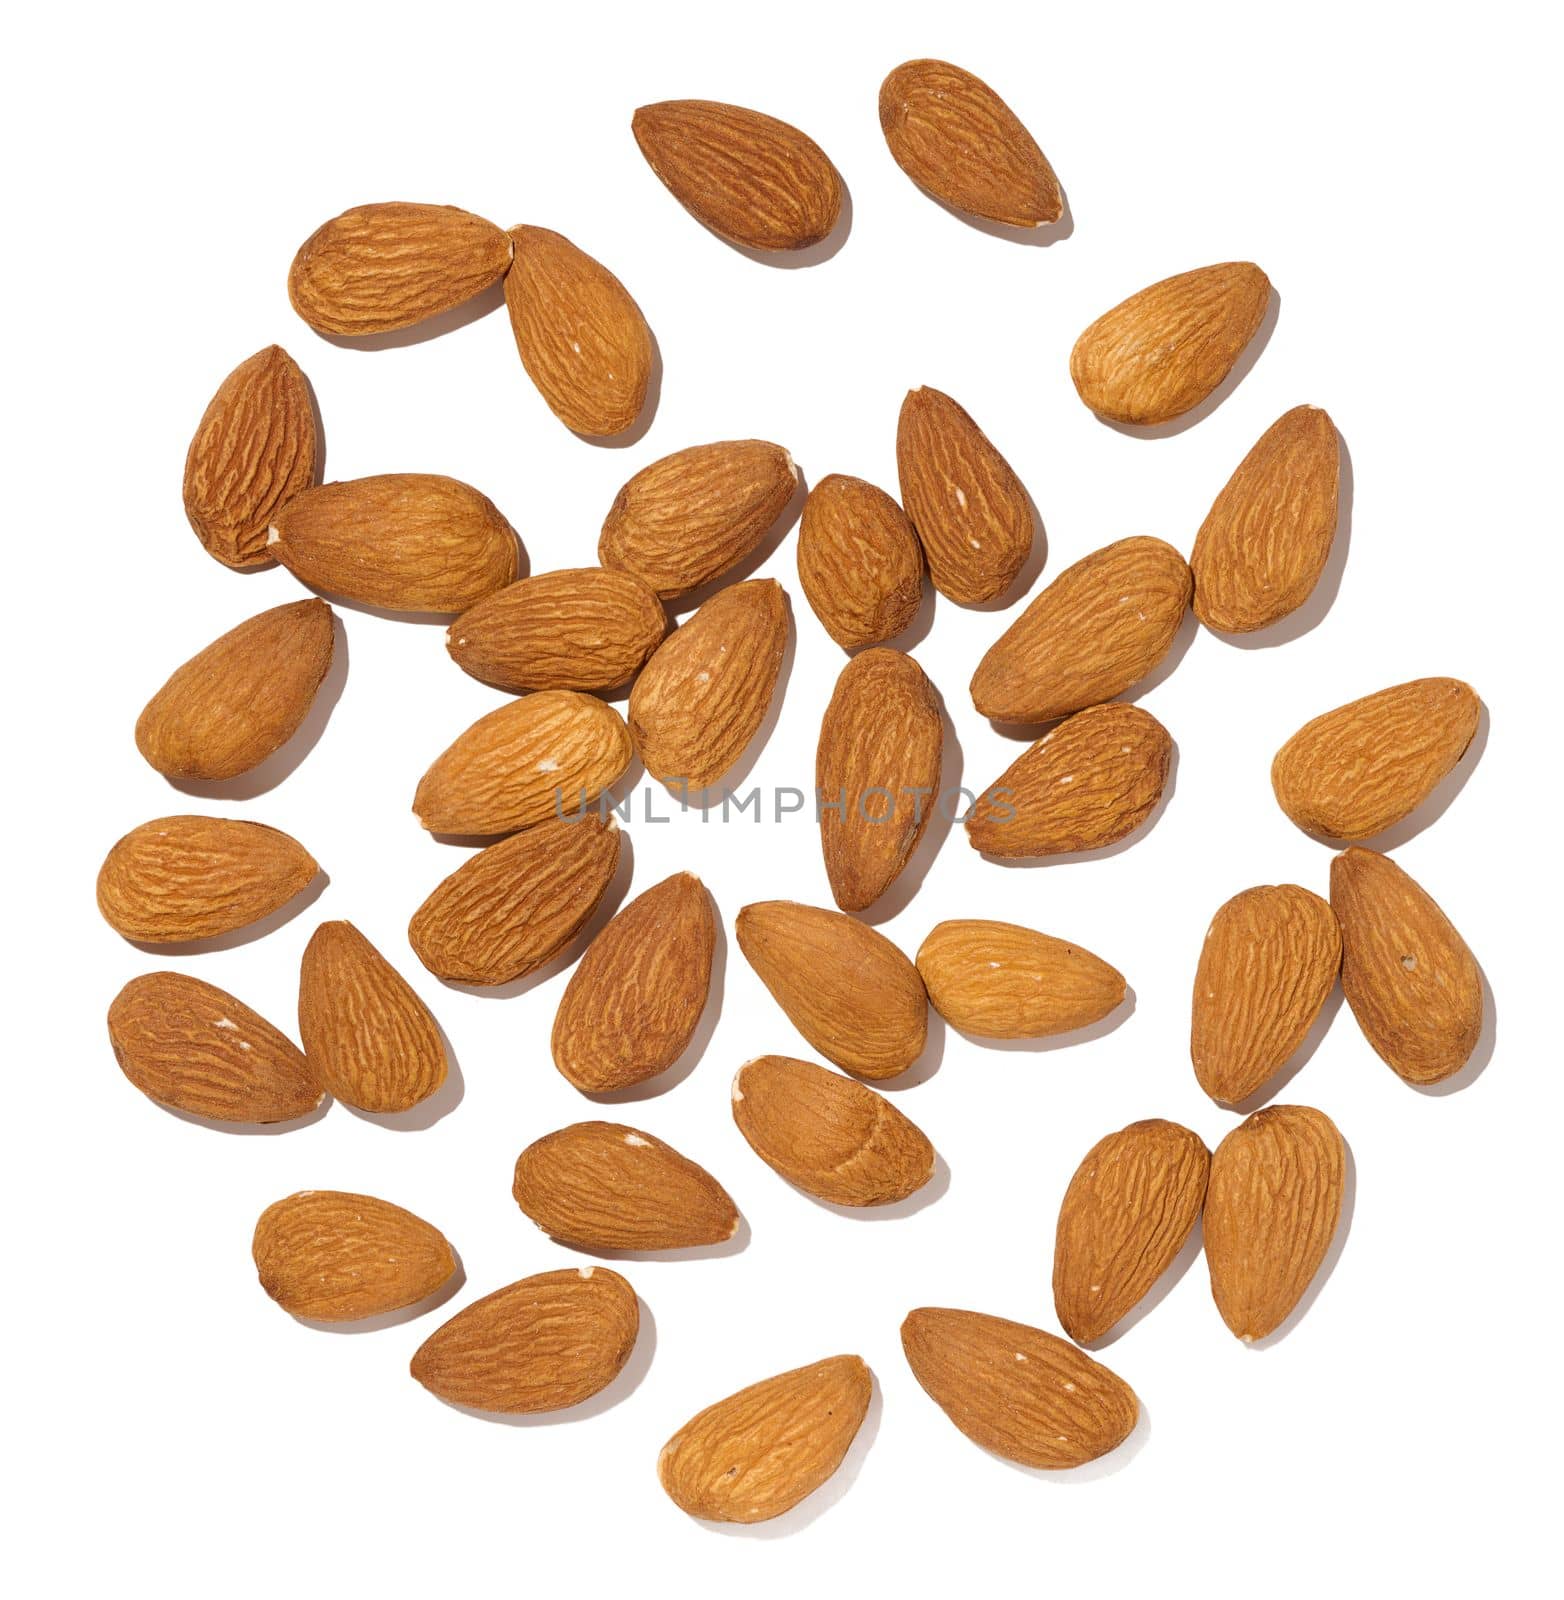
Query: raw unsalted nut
point(633, 1002)
point(194, 1048)
point(1099, 627)
point(877, 772)
point(953, 136)
point(759, 1452)
point(1022, 1393)
point(1363, 767)
point(1091, 780)
point(335, 1257)
point(1412, 983)
point(1274, 1199)
point(1267, 966)
point(1128, 1212)
point(381, 267)
point(177, 879)
point(751, 179)
point(999, 981)
point(859, 561)
point(1164, 350)
point(603, 1186)
point(542, 1344)
point(833, 1137)
point(241, 698)
point(255, 448)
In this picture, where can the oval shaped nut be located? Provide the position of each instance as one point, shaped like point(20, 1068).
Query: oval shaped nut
point(859, 561)
point(603, 1186)
point(255, 448)
point(1267, 537)
point(1022, 1393)
point(406, 541)
point(1363, 767)
point(515, 905)
point(580, 336)
point(851, 993)
point(177, 879)
point(241, 698)
point(542, 1344)
point(381, 267)
point(831, 1136)
point(1164, 350)
point(194, 1048)
point(759, 1452)
point(1268, 964)
point(970, 510)
point(751, 179)
point(334, 1257)
point(367, 1035)
point(1128, 1212)
point(995, 980)
point(1410, 979)
point(1271, 1211)
point(1086, 783)
point(1098, 628)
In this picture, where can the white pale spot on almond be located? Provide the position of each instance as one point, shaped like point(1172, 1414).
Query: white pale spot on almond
point(585, 1272)
point(636, 1140)
point(272, 536)
point(226, 1022)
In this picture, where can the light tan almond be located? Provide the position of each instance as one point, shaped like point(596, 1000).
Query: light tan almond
point(859, 562)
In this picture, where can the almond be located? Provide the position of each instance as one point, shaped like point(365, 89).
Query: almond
point(1022, 1393)
point(759, 1452)
point(752, 180)
point(1164, 350)
point(877, 772)
point(1411, 981)
point(1128, 1212)
point(1266, 540)
point(178, 879)
point(859, 562)
point(1365, 766)
point(1098, 628)
point(603, 1186)
point(851, 993)
point(241, 698)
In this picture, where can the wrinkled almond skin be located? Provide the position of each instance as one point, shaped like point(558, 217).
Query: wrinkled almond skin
point(690, 516)
point(633, 1002)
point(241, 698)
point(255, 448)
point(368, 1036)
point(1410, 979)
point(859, 562)
point(542, 1344)
point(194, 1048)
point(751, 179)
point(1022, 1393)
point(1267, 537)
point(177, 879)
point(1365, 766)
point(877, 771)
point(995, 980)
point(758, 1453)
point(381, 267)
point(405, 541)
point(603, 1186)
point(851, 993)
point(1268, 964)
point(1164, 350)
point(970, 511)
point(1128, 1212)
point(1098, 628)
point(1274, 1200)
point(514, 906)
point(703, 696)
point(580, 336)
point(1091, 780)
point(953, 136)
point(831, 1136)
point(335, 1257)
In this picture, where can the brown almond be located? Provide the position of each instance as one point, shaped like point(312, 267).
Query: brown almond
point(859, 562)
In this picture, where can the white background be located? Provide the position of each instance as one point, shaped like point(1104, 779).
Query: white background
point(1390, 171)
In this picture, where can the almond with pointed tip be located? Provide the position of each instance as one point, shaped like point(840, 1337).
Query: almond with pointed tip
point(859, 562)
